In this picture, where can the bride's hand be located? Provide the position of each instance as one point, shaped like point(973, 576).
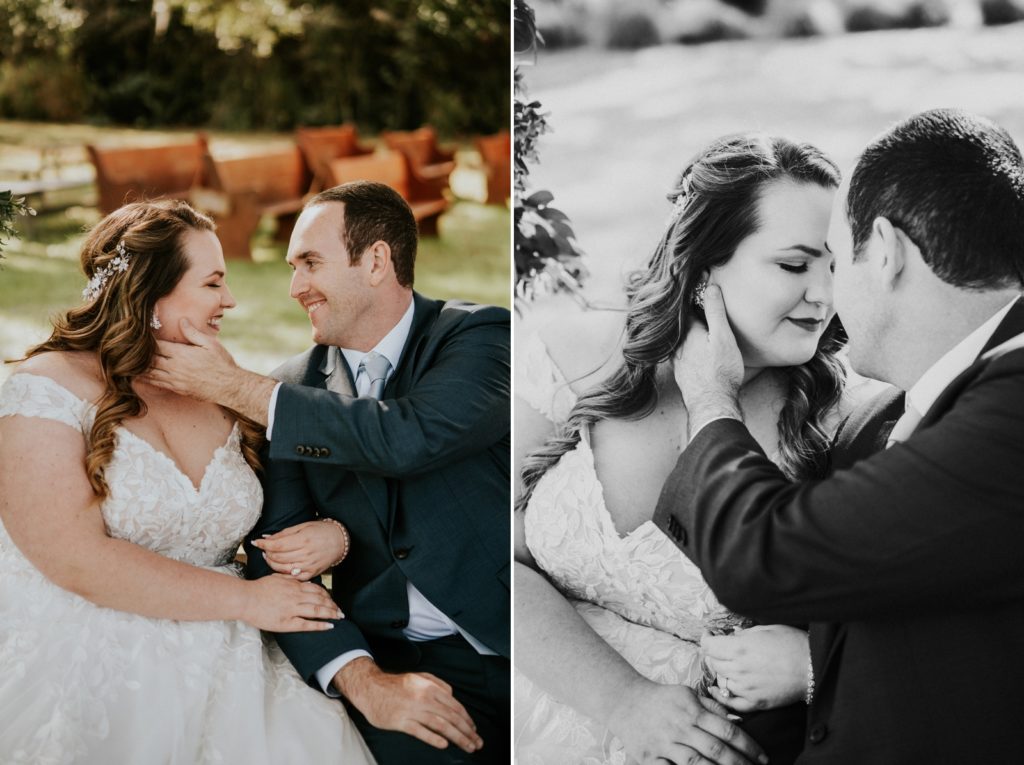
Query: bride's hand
point(278, 603)
point(671, 722)
point(758, 668)
point(305, 550)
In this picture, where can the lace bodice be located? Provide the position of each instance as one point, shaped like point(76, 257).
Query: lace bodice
point(641, 576)
point(151, 502)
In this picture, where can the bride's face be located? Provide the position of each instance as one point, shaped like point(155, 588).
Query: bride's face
point(777, 287)
point(202, 295)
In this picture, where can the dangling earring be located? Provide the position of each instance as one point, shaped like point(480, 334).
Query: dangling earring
point(698, 294)
point(155, 321)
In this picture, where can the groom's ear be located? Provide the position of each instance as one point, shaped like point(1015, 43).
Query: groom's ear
point(895, 246)
point(379, 255)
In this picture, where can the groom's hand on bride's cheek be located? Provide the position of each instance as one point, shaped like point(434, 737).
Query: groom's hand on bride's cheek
point(416, 703)
point(201, 368)
point(708, 366)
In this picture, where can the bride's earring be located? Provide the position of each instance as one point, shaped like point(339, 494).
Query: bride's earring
point(698, 294)
point(155, 321)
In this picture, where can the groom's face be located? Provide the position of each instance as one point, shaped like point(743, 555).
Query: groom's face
point(333, 292)
point(856, 296)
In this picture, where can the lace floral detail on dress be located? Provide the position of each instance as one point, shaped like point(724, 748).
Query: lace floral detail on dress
point(638, 591)
point(81, 683)
point(34, 396)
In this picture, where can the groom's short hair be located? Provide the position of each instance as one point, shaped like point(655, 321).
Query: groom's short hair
point(954, 183)
point(375, 212)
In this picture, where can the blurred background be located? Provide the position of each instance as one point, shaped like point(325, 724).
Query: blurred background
point(247, 107)
point(613, 99)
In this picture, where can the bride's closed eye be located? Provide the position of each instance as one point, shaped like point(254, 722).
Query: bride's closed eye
point(794, 268)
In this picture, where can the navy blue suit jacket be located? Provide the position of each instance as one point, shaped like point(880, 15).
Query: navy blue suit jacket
point(420, 478)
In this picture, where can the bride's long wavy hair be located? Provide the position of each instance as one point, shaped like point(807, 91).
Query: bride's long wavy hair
point(715, 206)
point(115, 323)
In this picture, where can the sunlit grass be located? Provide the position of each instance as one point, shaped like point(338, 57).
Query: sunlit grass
point(40, 276)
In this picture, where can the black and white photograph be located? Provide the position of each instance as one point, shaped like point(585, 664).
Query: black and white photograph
point(768, 381)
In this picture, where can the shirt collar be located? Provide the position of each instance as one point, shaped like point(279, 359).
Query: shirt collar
point(938, 377)
point(390, 346)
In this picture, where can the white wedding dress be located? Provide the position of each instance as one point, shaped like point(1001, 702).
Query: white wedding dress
point(638, 591)
point(84, 684)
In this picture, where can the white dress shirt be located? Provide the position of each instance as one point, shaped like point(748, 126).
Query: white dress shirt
point(426, 621)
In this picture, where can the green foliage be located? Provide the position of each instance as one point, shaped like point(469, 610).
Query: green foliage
point(10, 206)
point(258, 64)
point(547, 257)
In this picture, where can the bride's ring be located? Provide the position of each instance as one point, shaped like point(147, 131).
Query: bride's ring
point(296, 571)
point(723, 684)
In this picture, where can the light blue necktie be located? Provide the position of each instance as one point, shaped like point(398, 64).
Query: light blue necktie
point(376, 366)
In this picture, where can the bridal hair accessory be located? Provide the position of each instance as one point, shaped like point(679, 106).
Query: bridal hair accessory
point(682, 200)
point(100, 277)
point(155, 321)
point(698, 294)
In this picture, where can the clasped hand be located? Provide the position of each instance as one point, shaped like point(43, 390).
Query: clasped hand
point(305, 550)
point(672, 723)
point(758, 668)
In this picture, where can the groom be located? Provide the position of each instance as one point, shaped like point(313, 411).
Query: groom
point(396, 424)
point(908, 564)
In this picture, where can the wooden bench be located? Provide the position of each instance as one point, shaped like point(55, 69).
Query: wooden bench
point(131, 174)
point(496, 153)
point(429, 161)
point(237, 192)
point(392, 168)
point(320, 145)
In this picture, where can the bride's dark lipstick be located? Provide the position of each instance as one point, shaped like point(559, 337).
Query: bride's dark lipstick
point(810, 325)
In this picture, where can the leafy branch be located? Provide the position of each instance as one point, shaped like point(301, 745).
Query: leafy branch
point(547, 255)
point(10, 206)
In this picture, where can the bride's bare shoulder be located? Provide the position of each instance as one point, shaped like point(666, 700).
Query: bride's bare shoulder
point(583, 344)
point(76, 371)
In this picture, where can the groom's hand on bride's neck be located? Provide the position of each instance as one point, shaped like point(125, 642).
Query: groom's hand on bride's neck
point(416, 703)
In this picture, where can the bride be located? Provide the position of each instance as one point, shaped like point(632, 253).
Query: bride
point(128, 636)
point(609, 613)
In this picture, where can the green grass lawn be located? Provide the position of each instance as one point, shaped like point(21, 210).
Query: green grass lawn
point(40, 275)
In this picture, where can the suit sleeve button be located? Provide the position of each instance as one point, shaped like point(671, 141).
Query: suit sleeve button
point(316, 451)
point(325, 452)
point(300, 450)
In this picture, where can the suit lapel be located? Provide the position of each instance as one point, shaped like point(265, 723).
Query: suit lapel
point(423, 315)
point(337, 375)
point(337, 378)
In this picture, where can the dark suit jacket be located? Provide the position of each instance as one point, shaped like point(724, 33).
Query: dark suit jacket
point(908, 563)
point(420, 478)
